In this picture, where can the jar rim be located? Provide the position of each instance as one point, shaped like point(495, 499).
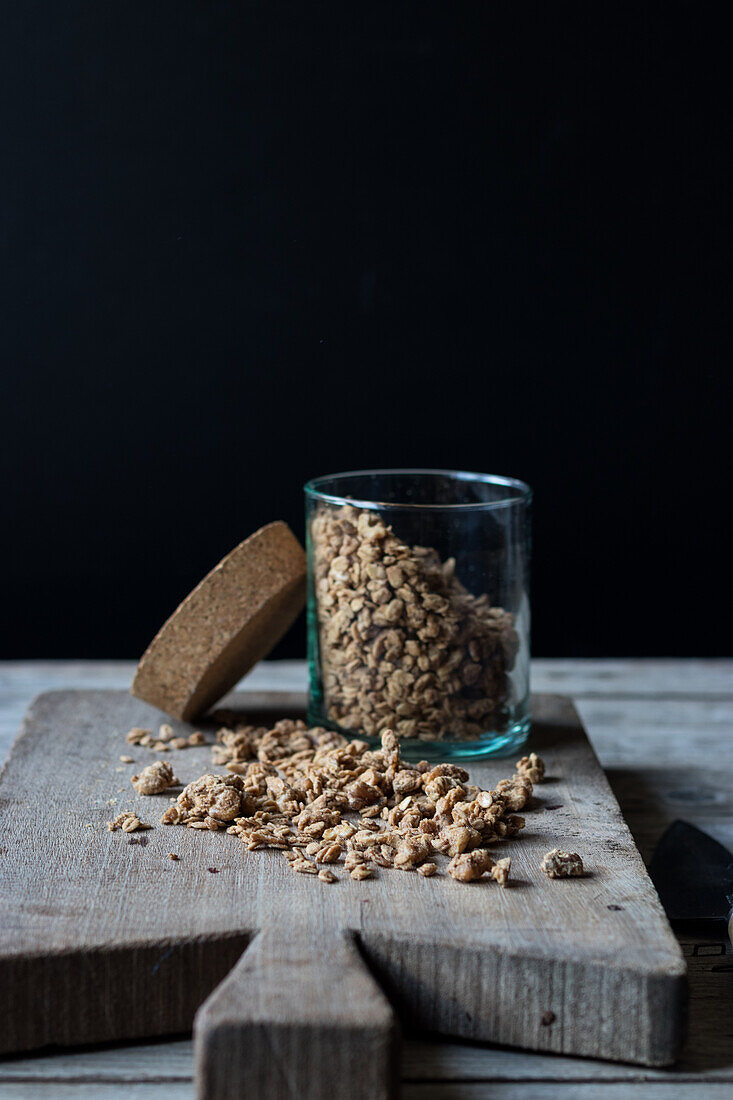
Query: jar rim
point(518, 492)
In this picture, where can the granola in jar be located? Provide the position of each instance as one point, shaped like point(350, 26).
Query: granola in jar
point(403, 643)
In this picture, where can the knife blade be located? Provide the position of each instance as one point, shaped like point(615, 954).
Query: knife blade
point(693, 875)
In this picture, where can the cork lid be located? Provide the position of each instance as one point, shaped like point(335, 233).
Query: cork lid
point(231, 620)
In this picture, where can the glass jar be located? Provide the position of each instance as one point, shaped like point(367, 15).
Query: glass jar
point(418, 609)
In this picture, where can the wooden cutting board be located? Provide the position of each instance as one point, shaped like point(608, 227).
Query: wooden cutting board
point(103, 937)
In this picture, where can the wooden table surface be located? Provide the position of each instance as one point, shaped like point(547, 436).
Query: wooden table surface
point(662, 730)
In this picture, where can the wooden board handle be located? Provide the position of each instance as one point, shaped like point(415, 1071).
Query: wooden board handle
point(299, 1016)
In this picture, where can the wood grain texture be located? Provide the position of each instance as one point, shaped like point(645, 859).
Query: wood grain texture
point(588, 1090)
point(97, 993)
point(297, 1014)
point(474, 961)
point(707, 1056)
point(453, 1090)
point(54, 1090)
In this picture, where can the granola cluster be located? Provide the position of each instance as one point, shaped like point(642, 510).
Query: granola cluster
point(128, 822)
point(155, 778)
point(403, 644)
point(532, 767)
point(209, 803)
point(325, 801)
point(557, 864)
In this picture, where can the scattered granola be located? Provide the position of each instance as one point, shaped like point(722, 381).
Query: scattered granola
point(155, 778)
point(320, 800)
point(559, 864)
point(165, 741)
point(127, 760)
point(532, 766)
point(135, 736)
point(404, 645)
point(128, 822)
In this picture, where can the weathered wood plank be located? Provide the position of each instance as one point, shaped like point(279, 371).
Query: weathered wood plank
point(168, 1061)
point(708, 1052)
point(44, 1090)
point(666, 678)
point(642, 733)
point(588, 1090)
point(299, 1012)
point(707, 1055)
point(453, 956)
point(662, 784)
point(458, 1090)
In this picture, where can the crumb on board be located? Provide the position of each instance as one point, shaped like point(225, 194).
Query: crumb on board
point(558, 864)
point(136, 734)
point(128, 822)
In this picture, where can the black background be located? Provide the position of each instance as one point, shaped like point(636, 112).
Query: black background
point(246, 243)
